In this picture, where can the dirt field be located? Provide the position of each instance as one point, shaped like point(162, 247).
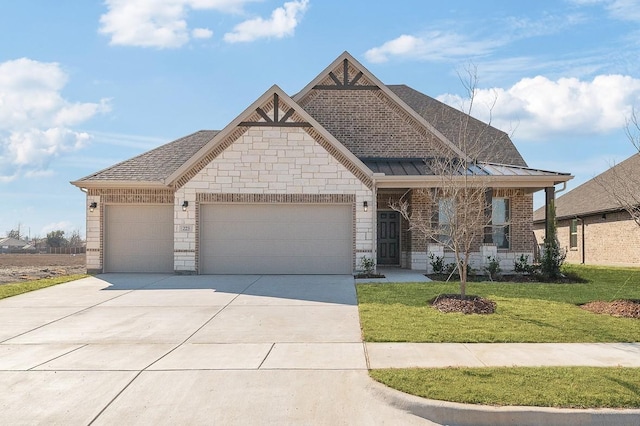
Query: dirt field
point(24, 267)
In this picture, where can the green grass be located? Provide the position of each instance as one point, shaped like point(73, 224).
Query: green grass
point(13, 289)
point(562, 387)
point(526, 312)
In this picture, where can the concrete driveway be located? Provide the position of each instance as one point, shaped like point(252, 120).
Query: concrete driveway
point(165, 349)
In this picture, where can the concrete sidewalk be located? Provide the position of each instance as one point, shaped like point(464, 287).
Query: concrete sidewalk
point(440, 355)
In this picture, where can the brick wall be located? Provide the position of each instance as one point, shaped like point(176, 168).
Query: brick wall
point(273, 160)
point(614, 240)
point(415, 244)
point(371, 125)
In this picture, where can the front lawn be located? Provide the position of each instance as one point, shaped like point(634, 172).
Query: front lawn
point(560, 387)
point(13, 289)
point(526, 312)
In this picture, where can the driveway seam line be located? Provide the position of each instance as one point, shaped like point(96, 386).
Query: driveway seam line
point(66, 316)
point(266, 356)
point(201, 327)
point(59, 356)
point(114, 398)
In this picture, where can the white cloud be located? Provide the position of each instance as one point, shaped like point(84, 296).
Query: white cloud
point(539, 107)
point(282, 23)
point(434, 46)
point(440, 43)
point(64, 225)
point(201, 33)
point(625, 10)
point(35, 120)
point(158, 23)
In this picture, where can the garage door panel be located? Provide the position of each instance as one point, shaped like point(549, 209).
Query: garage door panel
point(139, 238)
point(276, 238)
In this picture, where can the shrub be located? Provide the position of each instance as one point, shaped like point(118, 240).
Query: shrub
point(522, 266)
point(368, 265)
point(493, 267)
point(437, 263)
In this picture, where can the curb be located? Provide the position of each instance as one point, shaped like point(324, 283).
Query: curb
point(456, 414)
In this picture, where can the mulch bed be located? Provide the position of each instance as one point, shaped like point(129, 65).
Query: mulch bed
point(361, 276)
point(617, 308)
point(469, 305)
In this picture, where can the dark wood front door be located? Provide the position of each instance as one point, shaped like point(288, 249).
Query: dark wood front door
point(388, 238)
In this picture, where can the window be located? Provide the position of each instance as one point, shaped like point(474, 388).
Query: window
point(573, 234)
point(500, 222)
point(446, 215)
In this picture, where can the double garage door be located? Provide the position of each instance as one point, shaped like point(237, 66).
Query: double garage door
point(276, 239)
point(235, 238)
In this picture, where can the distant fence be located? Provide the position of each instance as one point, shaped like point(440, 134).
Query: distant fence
point(46, 250)
point(66, 250)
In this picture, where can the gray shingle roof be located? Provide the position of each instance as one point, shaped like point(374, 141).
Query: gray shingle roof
point(495, 145)
point(157, 164)
point(592, 197)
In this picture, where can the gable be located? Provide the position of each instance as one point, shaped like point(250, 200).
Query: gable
point(271, 116)
point(361, 114)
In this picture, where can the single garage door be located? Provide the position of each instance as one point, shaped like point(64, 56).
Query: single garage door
point(138, 238)
point(276, 239)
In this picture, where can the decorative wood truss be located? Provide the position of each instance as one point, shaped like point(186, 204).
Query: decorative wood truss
point(276, 121)
point(345, 84)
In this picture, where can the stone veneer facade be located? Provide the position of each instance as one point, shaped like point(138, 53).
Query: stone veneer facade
point(610, 240)
point(272, 165)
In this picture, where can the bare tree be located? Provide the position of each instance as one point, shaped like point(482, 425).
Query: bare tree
point(622, 181)
point(75, 240)
point(460, 201)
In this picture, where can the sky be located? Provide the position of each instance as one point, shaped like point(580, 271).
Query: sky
point(86, 84)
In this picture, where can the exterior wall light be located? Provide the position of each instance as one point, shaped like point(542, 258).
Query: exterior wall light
point(93, 206)
point(185, 204)
point(366, 206)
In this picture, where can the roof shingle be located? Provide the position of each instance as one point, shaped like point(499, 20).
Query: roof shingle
point(157, 164)
point(494, 145)
point(593, 197)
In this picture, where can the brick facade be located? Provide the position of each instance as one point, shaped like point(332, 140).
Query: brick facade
point(415, 247)
point(610, 240)
point(369, 123)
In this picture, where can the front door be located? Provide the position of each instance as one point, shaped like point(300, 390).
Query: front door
point(388, 238)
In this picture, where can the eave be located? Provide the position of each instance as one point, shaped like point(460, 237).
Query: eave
point(119, 184)
point(531, 182)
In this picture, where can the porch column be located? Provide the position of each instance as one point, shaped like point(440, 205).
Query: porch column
point(550, 195)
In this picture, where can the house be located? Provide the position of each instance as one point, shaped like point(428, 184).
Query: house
point(300, 185)
point(592, 226)
point(13, 245)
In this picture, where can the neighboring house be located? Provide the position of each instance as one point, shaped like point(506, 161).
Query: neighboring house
point(300, 185)
point(591, 225)
point(13, 245)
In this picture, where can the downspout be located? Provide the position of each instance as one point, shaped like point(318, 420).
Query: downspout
point(582, 238)
point(564, 187)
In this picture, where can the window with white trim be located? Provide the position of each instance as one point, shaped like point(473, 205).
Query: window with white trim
point(500, 222)
point(446, 217)
point(573, 234)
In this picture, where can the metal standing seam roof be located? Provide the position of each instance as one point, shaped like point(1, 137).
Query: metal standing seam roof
point(424, 167)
